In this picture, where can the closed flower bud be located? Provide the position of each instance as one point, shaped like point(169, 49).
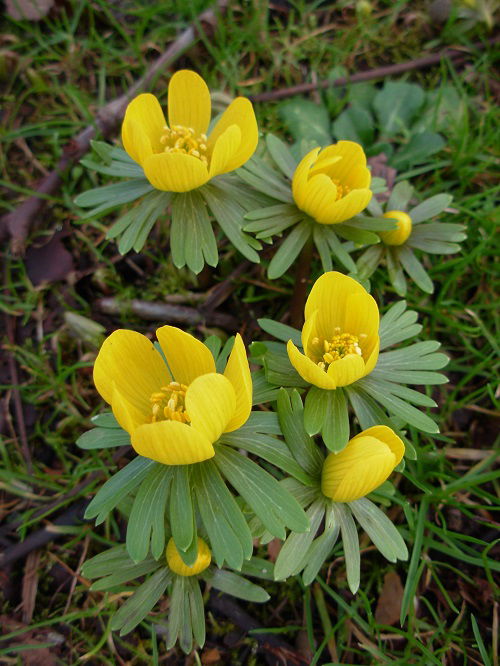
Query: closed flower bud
point(401, 234)
point(177, 564)
point(365, 463)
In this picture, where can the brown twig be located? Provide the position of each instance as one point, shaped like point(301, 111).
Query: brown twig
point(174, 314)
point(18, 222)
point(456, 53)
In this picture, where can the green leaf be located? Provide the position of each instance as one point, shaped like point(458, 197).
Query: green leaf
point(258, 174)
point(409, 376)
point(400, 196)
point(182, 519)
point(371, 223)
point(350, 542)
point(433, 246)
point(280, 371)
point(321, 547)
point(281, 155)
point(258, 568)
point(117, 168)
point(103, 438)
point(263, 391)
point(110, 196)
point(191, 235)
point(418, 356)
point(270, 501)
point(143, 218)
point(270, 449)
point(229, 214)
point(106, 563)
point(105, 420)
point(396, 105)
point(335, 430)
point(289, 250)
point(306, 120)
point(236, 586)
point(147, 518)
point(415, 269)
point(356, 235)
point(135, 609)
point(439, 231)
point(380, 529)
point(281, 331)
point(397, 325)
point(229, 535)
point(354, 124)
point(316, 408)
point(179, 615)
point(367, 411)
point(323, 247)
point(338, 250)
point(196, 610)
point(302, 446)
point(123, 573)
point(369, 261)
point(265, 422)
point(418, 149)
point(118, 487)
point(293, 554)
point(396, 275)
point(430, 208)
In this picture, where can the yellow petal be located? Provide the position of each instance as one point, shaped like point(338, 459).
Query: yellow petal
point(301, 177)
point(172, 443)
point(320, 198)
point(211, 404)
point(387, 436)
point(240, 112)
point(308, 333)
point(129, 362)
point(347, 370)
point(175, 172)
point(186, 356)
point(128, 414)
point(145, 111)
point(189, 101)
point(177, 564)
point(225, 147)
point(343, 209)
point(238, 372)
point(135, 141)
point(329, 296)
point(372, 359)
point(401, 233)
point(360, 468)
point(308, 370)
point(353, 157)
point(362, 319)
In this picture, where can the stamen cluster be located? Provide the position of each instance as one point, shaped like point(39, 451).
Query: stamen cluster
point(168, 403)
point(180, 139)
point(339, 346)
point(342, 189)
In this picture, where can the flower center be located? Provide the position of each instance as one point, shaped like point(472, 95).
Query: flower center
point(342, 344)
point(179, 139)
point(342, 189)
point(168, 403)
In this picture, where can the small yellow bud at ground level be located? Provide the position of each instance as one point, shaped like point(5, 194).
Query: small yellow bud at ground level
point(177, 565)
point(401, 234)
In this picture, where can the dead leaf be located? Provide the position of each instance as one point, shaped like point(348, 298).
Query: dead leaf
point(389, 601)
point(30, 585)
point(49, 263)
point(31, 10)
point(211, 656)
point(381, 169)
point(273, 549)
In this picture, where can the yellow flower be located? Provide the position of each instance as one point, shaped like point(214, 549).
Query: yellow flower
point(179, 157)
point(173, 414)
point(365, 463)
point(332, 185)
point(402, 232)
point(340, 334)
point(178, 566)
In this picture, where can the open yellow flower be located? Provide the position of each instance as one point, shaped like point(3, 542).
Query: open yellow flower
point(173, 414)
point(179, 157)
point(365, 463)
point(340, 334)
point(177, 564)
point(333, 185)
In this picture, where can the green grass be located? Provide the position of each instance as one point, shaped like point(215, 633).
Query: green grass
point(55, 74)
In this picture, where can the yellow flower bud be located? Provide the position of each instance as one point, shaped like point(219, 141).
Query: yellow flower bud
point(365, 463)
point(399, 235)
point(176, 563)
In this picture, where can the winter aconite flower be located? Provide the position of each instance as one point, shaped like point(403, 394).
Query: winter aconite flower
point(173, 414)
point(180, 156)
point(365, 463)
point(402, 232)
point(340, 334)
point(332, 185)
point(177, 564)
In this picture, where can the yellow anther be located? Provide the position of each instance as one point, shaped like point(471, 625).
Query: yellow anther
point(342, 344)
point(328, 358)
point(179, 139)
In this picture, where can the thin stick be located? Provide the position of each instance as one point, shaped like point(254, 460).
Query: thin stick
point(377, 73)
point(18, 222)
point(300, 288)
